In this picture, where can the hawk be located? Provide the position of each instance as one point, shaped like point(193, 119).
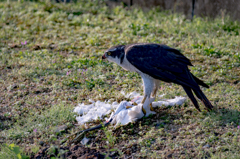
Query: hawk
point(155, 63)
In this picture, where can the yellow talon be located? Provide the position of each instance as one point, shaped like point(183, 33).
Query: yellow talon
point(151, 108)
point(134, 103)
point(127, 107)
point(143, 100)
point(154, 93)
point(144, 111)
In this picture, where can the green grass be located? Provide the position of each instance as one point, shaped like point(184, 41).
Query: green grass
point(60, 66)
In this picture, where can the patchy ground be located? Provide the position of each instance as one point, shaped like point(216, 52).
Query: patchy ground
point(50, 60)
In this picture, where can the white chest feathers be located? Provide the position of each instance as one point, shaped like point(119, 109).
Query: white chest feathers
point(125, 64)
point(128, 66)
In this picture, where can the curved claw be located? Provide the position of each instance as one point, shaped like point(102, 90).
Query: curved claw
point(151, 108)
point(134, 103)
point(144, 111)
point(147, 107)
point(127, 107)
point(149, 112)
point(144, 99)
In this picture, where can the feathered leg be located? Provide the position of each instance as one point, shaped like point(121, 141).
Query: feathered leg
point(148, 84)
point(154, 92)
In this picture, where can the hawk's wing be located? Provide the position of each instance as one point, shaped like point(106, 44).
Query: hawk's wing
point(161, 62)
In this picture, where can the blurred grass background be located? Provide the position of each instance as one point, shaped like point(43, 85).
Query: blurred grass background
point(50, 60)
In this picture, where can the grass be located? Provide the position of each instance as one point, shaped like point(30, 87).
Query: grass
point(50, 60)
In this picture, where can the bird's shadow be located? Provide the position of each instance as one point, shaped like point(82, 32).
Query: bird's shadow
point(219, 116)
point(224, 116)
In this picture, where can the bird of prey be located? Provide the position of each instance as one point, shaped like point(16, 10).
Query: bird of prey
point(155, 63)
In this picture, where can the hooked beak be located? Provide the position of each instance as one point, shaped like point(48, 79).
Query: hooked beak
point(103, 57)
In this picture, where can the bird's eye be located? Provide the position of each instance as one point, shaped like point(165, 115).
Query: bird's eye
point(109, 53)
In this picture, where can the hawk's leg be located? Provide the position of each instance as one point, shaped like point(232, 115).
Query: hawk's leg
point(146, 106)
point(143, 100)
point(154, 92)
point(155, 88)
point(148, 85)
point(151, 108)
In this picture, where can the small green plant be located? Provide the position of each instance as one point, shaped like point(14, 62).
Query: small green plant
point(11, 151)
point(110, 138)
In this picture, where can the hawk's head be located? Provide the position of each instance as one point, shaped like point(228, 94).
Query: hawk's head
point(115, 54)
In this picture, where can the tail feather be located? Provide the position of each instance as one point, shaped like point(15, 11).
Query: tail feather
point(200, 82)
point(200, 95)
point(204, 99)
point(191, 96)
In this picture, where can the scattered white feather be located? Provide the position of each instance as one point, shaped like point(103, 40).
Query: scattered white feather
point(170, 102)
point(127, 115)
point(124, 112)
point(130, 95)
